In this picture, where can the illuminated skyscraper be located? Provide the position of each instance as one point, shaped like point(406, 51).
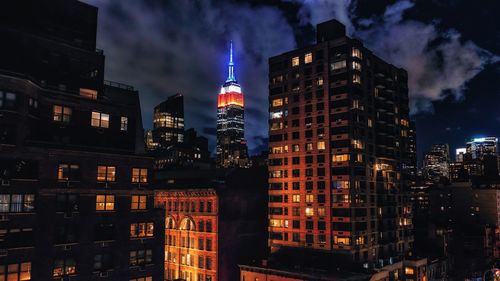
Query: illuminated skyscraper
point(231, 143)
point(477, 148)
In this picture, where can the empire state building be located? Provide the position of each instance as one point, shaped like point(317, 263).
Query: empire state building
point(231, 144)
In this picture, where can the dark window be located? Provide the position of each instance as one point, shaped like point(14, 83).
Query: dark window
point(295, 135)
point(309, 159)
point(296, 185)
point(309, 185)
point(296, 224)
point(296, 160)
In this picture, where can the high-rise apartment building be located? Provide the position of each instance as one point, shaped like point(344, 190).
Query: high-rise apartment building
point(76, 197)
point(232, 149)
point(459, 154)
point(338, 137)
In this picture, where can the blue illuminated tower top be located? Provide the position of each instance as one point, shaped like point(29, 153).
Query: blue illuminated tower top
point(230, 75)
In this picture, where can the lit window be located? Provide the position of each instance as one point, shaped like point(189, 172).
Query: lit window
point(138, 202)
point(340, 157)
point(276, 174)
point(309, 146)
point(319, 81)
point(295, 61)
point(370, 123)
point(276, 126)
point(277, 102)
point(16, 271)
point(106, 173)
point(340, 184)
point(360, 240)
point(295, 148)
point(276, 223)
point(68, 172)
point(7, 100)
point(309, 198)
point(88, 93)
point(341, 240)
point(63, 267)
point(139, 175)
point(357, 53)
point(356, 79)
point(338, 65)
point(308, 58)
point(296, 198)
point(357, 144)
point(123, 123)
point(309, 212)
point(321, 145)
point(144, 229)
point(17, 203)
point(356, 65)
point(100, 120)
point(409, 271)
point(321, 211)
point(104, 202)
point(61, 113)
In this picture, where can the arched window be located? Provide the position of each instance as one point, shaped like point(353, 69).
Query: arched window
point(170, 223)
point(187, 224)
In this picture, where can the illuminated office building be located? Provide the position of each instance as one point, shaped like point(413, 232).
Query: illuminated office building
point(477, 148)
point(339, 133)
point(436, 163)
point(232, 149)
point(168, 122)
point(459, 154)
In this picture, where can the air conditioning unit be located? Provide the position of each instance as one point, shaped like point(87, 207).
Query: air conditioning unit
point(104, 244)
point(5, 182)
point(67, 247)
point(68, 215)
point(103, 274)
point(3, 253)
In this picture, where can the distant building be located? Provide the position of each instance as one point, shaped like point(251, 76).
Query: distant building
point(436, 163)
point(213, 222)
point(459, 154)
point(171, 145)
point(168, 122)
point(232, 150)
point(477, 148)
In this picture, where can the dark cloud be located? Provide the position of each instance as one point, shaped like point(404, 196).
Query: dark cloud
point(168, 47)
point(439, 62)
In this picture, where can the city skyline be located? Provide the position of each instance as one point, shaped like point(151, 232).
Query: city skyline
point(448, 95)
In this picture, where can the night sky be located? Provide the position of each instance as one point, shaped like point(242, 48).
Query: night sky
point(449, 48)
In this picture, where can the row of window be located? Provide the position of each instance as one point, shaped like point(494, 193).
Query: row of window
point(309, 172)
point(308, 57)
point(189, 242)
point(171, 274)
point(320, 185)
point(190, 206)
point(16, 271)
point(63, 114)
point(104, 173)
point(188, 224)
point(189, 259)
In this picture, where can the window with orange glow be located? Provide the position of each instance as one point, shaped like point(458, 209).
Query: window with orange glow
point(295, 61)
point(409, 271)
point(16, 271)
point(141, 230)
point(341, 240)
point(340, 158)
point(139, 175)
point(104, 202)
point(357, 53)
point(61, 113)
point(64, 267)
point(106, 173)
point(99, 119)
point(88, 93)
point(138, 202)
point(308, 58)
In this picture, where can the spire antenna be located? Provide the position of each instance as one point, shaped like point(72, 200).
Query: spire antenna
point(230, 76)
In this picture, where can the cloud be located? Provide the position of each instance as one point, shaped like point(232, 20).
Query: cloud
point(166, 47)
point(439, 63)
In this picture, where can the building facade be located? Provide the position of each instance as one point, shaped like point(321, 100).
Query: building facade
point(232, 149)
point(168, 122)
point(213, 227)
point(76, 198)
point(437, 163)
point(339, 134)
